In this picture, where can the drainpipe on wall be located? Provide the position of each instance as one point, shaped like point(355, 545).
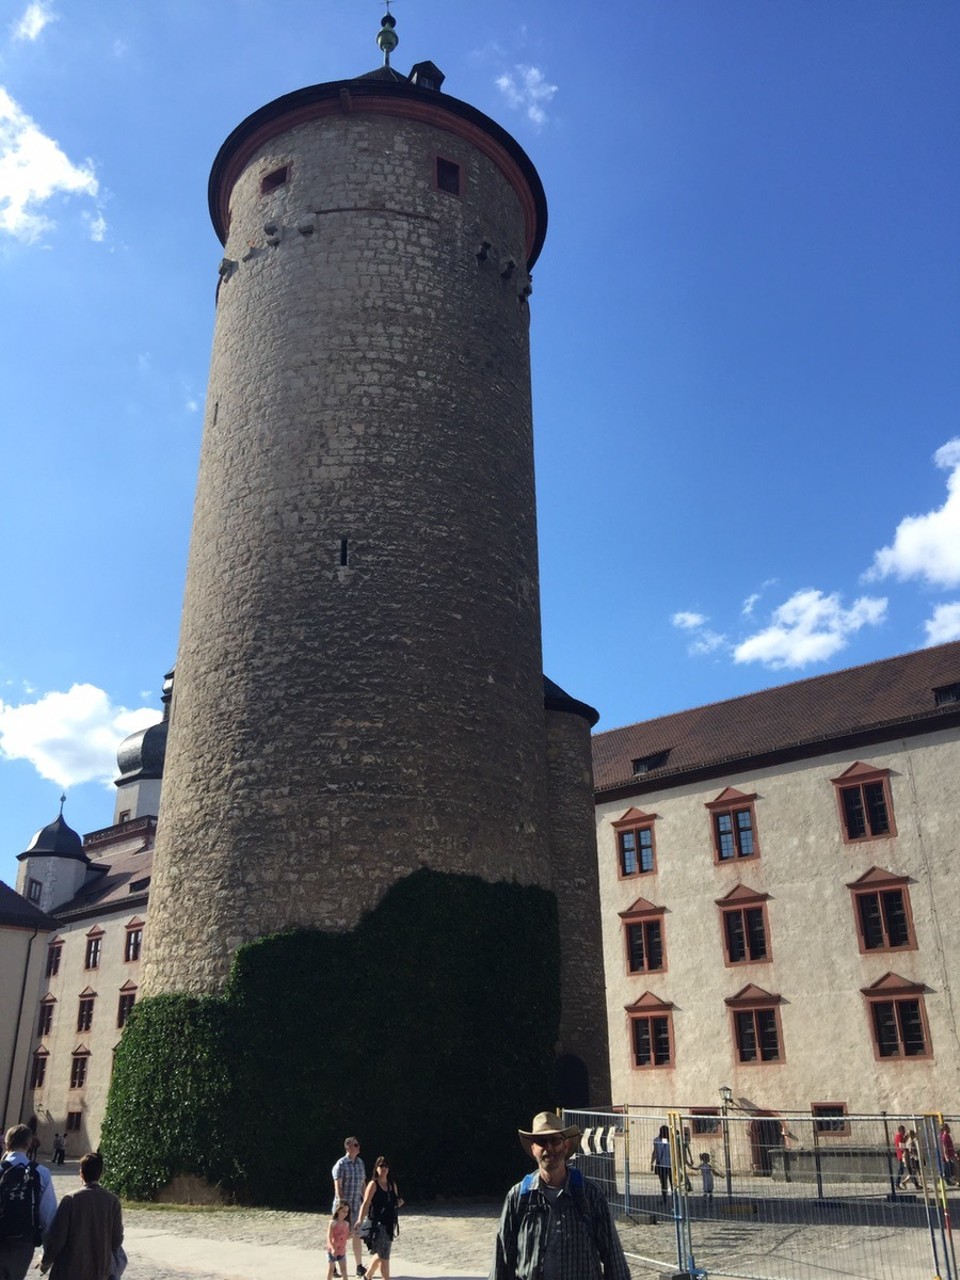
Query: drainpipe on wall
point(16, 1034)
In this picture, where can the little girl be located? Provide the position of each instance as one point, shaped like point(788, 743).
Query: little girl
point(706, 1173)
point(338, 1233)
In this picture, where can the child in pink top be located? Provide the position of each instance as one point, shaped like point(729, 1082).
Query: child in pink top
point(338, 1233)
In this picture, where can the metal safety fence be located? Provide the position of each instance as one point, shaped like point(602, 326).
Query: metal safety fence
point(786, 1196)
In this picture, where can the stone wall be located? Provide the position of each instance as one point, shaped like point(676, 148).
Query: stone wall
point(358, 686)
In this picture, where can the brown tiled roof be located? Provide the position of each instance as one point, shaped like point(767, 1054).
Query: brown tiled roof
point(114, 888)
point(793, 720)
point(17, 913)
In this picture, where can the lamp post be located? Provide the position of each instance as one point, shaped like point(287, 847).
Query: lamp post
point(726, 1097)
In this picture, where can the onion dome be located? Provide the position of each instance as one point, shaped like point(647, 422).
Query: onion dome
point(56, 840)
point(141, 756)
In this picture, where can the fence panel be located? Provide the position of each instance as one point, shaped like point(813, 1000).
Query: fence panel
point(790, 1196)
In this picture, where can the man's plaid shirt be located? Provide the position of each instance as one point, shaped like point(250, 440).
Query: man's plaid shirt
point(588, 1247)
point(353, 1178)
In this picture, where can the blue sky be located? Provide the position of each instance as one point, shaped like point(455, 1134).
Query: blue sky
point(745, 325)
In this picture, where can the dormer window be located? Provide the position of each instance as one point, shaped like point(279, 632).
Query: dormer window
point(947, 694)
point(427, 75)
point(646, 764)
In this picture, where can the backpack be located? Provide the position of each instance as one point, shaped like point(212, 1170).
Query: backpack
point(20, 1202)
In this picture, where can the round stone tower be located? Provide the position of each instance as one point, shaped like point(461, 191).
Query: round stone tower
point(358, 684)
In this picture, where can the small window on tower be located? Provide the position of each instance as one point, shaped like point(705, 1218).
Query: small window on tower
point(34, 890)
point(270, 181)
point(448, 176)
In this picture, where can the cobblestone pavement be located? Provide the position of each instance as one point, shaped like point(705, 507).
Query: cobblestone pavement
point(456, 1240)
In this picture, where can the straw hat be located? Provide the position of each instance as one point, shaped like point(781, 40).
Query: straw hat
point(547, 1124)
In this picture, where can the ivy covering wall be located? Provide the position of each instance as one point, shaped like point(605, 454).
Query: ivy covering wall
point(429, 1031)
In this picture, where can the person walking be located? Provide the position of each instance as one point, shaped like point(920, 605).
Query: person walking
point(556, 1224)
point(87, 1229)
point(382, 1201)
point(349, 1179)
point(660, 1161)
point(910, 1169)
point(28, 1202)
point(949, 1154)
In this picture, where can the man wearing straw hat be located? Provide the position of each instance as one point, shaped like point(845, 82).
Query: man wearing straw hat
point(556, 1224)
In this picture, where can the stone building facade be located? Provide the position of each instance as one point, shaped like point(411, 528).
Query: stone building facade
point(779, 895)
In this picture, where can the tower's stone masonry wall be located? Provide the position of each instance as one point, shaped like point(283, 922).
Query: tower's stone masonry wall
point(573, 843)
point(359, 674)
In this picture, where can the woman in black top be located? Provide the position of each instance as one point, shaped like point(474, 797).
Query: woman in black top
point(381, 1200)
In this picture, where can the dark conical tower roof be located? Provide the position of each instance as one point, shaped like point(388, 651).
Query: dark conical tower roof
point(56, 840)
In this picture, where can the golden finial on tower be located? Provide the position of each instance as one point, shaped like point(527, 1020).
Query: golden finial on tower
point(387, 38)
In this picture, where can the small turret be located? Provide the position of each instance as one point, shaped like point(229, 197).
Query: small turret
point(53, 866)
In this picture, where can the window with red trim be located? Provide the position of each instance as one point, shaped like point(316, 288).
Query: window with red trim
point(78, 1068)
point(881, 908)
point(643, 937)
point(744, 926)
point(636, 850)
point(756, 1025)
point(38, 1073)
point(830, 1119)
point(92, 954)
point(865, 803)
point(73, 1121)
point(734, 826)
point(45, 1020)
point(705, 1120)
point(128, 999)
point(54, 952)
point(85, 1013)
point(651, 1032)
point(134, 943)
point(898, 1018)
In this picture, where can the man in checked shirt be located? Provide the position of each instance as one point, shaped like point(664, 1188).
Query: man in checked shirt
point(349, 1181)
point(556, 1224)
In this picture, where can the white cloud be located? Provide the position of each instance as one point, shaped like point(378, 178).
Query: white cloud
point(944, 625)
point(809, 627)
point(707, 642)
point(36, 16)
point(928, 546)
point(748, 604)
point(526, 88)
point(33, 169)
point(70, 737)
point(687, 621)
point(96, 225)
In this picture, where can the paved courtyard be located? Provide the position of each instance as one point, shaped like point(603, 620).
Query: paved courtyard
point(456, 1240)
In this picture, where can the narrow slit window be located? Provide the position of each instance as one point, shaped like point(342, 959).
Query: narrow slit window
point(344, 552)
point(448, 176)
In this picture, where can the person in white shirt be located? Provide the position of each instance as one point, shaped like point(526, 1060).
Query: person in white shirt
point(16, 1253)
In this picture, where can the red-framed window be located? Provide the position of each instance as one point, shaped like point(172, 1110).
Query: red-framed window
point(830, 1119)
point(644, 938)
point(898, 1018)
point(78, 1068)
point(882, 912)
point(38, 1070)
point(74, 1119)
point(650, 1023)
point(705, 1120)
point(864, 803)
point(636, 846)
point(128, 998)
point(134, 942)
point(54, 952)
point(757, 1034)
point(744, 927)
point(85, 1011)
point(91, 959)
point(45, 1017)
point(733, 825)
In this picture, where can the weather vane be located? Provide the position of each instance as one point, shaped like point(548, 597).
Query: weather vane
point(387, 38)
